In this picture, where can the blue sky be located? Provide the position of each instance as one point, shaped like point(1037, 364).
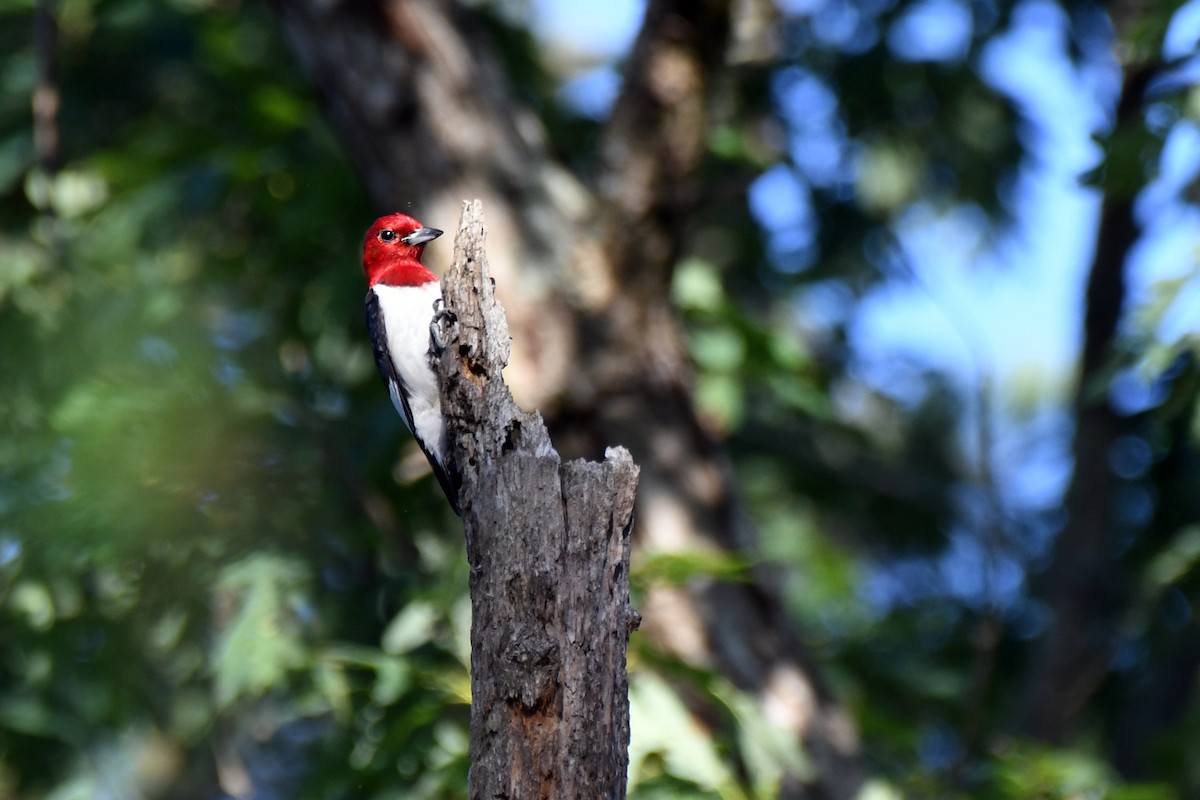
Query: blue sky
point(1016, 302)
point(1023, 296)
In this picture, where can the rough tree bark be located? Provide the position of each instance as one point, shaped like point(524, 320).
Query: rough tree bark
point(415, 90)
point(548, 544)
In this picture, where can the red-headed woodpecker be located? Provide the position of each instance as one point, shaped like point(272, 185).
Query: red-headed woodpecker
point(400, 307)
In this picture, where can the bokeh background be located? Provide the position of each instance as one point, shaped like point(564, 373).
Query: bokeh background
point(895, 302)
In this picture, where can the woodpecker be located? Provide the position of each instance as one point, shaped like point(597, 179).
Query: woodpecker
point(401, 301)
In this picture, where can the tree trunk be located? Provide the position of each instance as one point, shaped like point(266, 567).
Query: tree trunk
point(548, 545)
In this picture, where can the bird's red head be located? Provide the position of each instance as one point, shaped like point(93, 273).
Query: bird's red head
point(392, 251)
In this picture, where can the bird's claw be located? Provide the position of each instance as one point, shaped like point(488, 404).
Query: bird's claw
point(441, 327)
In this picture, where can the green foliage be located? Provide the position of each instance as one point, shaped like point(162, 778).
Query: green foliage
point(258, 649)
point(1032, 772)
point(671, 751)
point(207, 566)
point(183, 549)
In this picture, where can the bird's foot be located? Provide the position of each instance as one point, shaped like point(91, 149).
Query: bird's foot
point(441, 328)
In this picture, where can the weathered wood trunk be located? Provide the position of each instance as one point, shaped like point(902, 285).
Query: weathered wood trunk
point(548, 544)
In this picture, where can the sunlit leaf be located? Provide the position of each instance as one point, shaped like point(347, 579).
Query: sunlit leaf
point(664, 731)
point(263, 642)
point(676, 569)
point(410, 629)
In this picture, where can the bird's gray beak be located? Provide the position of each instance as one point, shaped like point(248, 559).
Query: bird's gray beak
point(421, 236)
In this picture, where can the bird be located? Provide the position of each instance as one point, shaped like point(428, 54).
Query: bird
point(402, 300)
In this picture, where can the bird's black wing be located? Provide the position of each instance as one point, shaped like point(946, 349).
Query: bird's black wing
point(446, 476)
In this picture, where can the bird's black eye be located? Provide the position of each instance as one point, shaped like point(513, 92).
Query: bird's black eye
point(387, 235)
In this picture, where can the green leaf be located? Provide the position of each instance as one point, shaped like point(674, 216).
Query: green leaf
point(262, 644)
point(696, 286)
point(677, 569)
point(33, 600)
point(664, 735)
point(411, 628)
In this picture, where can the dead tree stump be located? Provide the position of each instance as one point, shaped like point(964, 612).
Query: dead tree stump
point(548, 545)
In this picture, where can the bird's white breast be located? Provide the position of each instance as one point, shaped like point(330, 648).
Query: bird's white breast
point(407, 312)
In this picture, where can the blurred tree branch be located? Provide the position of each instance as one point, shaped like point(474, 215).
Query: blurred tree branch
point(655, 140)
point(46, 97)
point(1084, 585)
